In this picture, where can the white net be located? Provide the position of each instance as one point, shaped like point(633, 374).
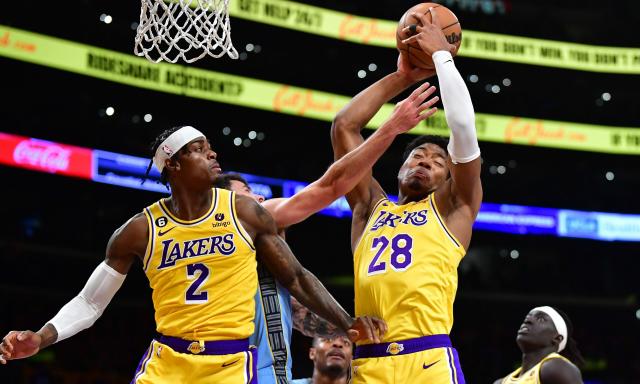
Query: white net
point(184, 29)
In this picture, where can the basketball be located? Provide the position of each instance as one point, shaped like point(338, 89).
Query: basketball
point(450, 27)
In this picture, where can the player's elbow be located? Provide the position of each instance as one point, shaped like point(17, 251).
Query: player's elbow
point(94, 309)
point(331, 185)
point(91, 314)
point(461, 122)
point(343, 123)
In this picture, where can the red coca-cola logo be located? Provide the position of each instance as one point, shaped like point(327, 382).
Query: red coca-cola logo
point(50, 157)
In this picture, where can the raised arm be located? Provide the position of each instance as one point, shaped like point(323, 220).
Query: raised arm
point(345, 131)
point(460, 200)
point(303, 285)
point(127, 243)
point(346, 136)
point(344, 174)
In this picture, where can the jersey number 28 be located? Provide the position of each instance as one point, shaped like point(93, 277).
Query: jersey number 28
point(400, 258)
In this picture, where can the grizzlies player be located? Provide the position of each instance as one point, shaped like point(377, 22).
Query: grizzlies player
point(274, 305)
point(331, 358)
point(198, 250)
point(406, 254)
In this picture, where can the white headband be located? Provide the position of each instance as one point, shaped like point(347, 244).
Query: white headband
point(559, 323)
point(173, 143)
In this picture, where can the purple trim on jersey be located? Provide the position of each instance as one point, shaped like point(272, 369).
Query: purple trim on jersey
point(253, 352)
point(217, 347)
point(247, 362)
point(142, 364)
point(408, 346)
point(214, 206)
point(456, 362)
point(435, 211)
point(232, 205)
point(449, 359)
point(152, 231)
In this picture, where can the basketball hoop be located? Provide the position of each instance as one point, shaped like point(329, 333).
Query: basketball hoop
point(184, 29)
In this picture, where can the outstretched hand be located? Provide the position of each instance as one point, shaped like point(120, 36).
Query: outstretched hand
point(410, 111)
point(429, 35)
point(18, 345)
point(367, 328)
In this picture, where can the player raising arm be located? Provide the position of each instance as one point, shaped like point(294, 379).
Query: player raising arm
point(198, 250)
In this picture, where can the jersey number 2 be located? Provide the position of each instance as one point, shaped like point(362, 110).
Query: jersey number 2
point(199, 273)
point(400, 259)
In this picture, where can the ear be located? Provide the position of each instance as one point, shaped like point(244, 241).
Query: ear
point(557, 340)
point(312, 354)
point(172, 164)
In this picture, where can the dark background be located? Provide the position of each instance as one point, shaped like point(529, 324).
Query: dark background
point(54, 229)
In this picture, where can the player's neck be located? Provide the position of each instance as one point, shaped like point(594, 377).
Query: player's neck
point(187, 204)
point(531, 358)
point(321, 378)
point(410, 198)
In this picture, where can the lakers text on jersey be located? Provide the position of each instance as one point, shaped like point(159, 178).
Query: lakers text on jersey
point(406, 269)
point(202, 272)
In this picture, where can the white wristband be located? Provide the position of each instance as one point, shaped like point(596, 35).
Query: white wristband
point(83, 310)
point(463, 143)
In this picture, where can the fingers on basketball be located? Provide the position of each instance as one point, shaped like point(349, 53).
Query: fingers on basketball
point(408, 45)
point(435, 20)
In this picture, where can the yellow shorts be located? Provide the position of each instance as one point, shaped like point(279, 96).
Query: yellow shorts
point(434, 366)
point(162, 364)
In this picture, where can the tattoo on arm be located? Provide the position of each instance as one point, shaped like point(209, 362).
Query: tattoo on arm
point(262, 214)
point(49, 335)
point(310, 324)
point(278, 258)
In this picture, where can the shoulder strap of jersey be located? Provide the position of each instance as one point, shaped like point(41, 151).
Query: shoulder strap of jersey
point(231, 201)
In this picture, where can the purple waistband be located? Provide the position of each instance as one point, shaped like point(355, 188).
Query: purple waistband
point(402, 347)
point(217, 347)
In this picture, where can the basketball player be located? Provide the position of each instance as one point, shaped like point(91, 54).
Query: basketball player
point(331, 358)
point(273, 302)
point(198, 249)
point(406, 254)
point(544, 334)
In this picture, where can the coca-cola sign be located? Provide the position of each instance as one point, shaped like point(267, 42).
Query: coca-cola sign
point(48, 156)
point(45, 156)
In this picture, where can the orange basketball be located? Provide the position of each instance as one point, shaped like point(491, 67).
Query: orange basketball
point(450, 26)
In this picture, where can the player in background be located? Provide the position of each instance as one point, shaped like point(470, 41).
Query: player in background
point(331, 358)
point(544, 337)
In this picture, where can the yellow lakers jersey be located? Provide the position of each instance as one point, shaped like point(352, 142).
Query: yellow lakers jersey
point(405, 268)
point(532, 376)
point(202, 272)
